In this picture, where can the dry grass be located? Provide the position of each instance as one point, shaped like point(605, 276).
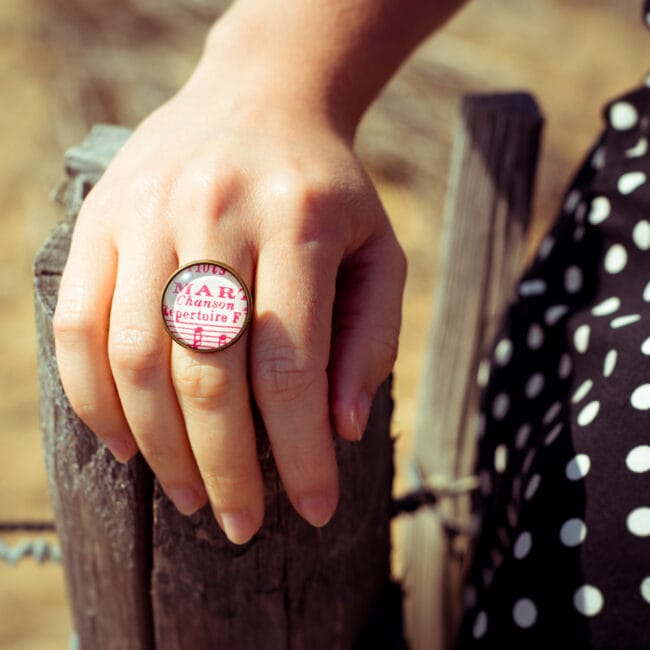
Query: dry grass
point(66, 64)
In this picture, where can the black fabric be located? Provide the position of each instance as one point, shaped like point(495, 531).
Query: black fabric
point(563, 558)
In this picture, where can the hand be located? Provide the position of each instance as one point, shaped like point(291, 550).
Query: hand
point(241, 174)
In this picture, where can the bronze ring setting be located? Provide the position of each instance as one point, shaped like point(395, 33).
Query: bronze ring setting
point(206, 306)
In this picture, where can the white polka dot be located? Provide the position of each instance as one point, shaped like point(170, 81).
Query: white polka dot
point(629, 182)
point(512, 513)
point(641, 235)
point(500, 458)
point(535, 336)
point(579, 233)
point(488, 574)
point(639, 149)
point(572, 200)
point(564, 369)
point(545, 247)
point(485, 482)
point(533, 287)
point(645, 346)
point(469, 596)
point(615, 259)
point(640, 398)
point(624, 321)
point(504, 537)
point(588, 600)
point(553, 314)
point(521, 437)
point(645, 589)
point(523, 544)
point(524, 613)
point(600, 209)
point(528, 461)
point(623, 116)
point(638, 522)
point(598, 158)
point(646, 292)
point(503, 352)
point(496, 557)
point(578, 467)
point(573, 532)
point(638, 460)
point(581, 338)
point(500, 406)
point(580, 212)
point(552, 413)
point(606, 307)
point(588, 414)
point(610, 362)
point(532, 486)
point(534, 385)
point(553, 434)
point(582, 390)
point(480, 625)
point(483, 373)
point(573, 279)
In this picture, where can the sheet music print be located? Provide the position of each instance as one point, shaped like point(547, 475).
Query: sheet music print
point(205, 307)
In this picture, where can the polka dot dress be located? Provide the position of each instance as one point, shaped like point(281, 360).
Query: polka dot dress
point(563, 558)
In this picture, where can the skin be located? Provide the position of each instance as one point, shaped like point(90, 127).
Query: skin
point(251, 164)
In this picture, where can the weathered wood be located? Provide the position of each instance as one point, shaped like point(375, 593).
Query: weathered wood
point(294, 586)
point(99, 505)
point(487, 214)
point(142, 576)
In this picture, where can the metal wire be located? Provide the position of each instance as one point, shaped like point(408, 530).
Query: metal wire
point(429, 491)
point(40, 549)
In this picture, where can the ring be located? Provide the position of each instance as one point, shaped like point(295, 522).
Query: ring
point(206, 306)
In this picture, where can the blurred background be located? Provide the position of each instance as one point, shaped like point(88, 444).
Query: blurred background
point(67, 64)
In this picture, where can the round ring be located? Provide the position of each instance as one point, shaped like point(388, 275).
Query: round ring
point(206, 306)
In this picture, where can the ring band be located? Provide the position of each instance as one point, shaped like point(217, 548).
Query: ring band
point(206, 306)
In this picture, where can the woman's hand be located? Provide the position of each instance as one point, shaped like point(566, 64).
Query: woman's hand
point(270, 186)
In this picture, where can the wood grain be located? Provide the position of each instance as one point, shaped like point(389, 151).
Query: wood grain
point(487, 215)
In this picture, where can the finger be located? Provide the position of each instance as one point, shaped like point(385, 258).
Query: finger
point(81, 335)
point(366, 331)
point(290, 349)
point(213, 393)
point(139, 352)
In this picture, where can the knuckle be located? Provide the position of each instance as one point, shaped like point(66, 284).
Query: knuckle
point(305, 200)
point(88, 412)
point(281, 375)
point(70, 322)
point(200, 382)
point(160, 457)
point(225, 487)
point(136, 353)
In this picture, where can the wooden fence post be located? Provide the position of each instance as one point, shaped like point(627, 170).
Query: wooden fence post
point(486, 218)
point(142, 577)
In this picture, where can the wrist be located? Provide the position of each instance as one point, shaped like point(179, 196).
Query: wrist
point(259, 66)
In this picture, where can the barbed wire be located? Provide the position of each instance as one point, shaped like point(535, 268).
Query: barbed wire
point(40, 549)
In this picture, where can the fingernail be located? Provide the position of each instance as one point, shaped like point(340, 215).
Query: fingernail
point(362, 413)
point(122, 449)
point(238, 526)
point(317, 510)
point(186, 500)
